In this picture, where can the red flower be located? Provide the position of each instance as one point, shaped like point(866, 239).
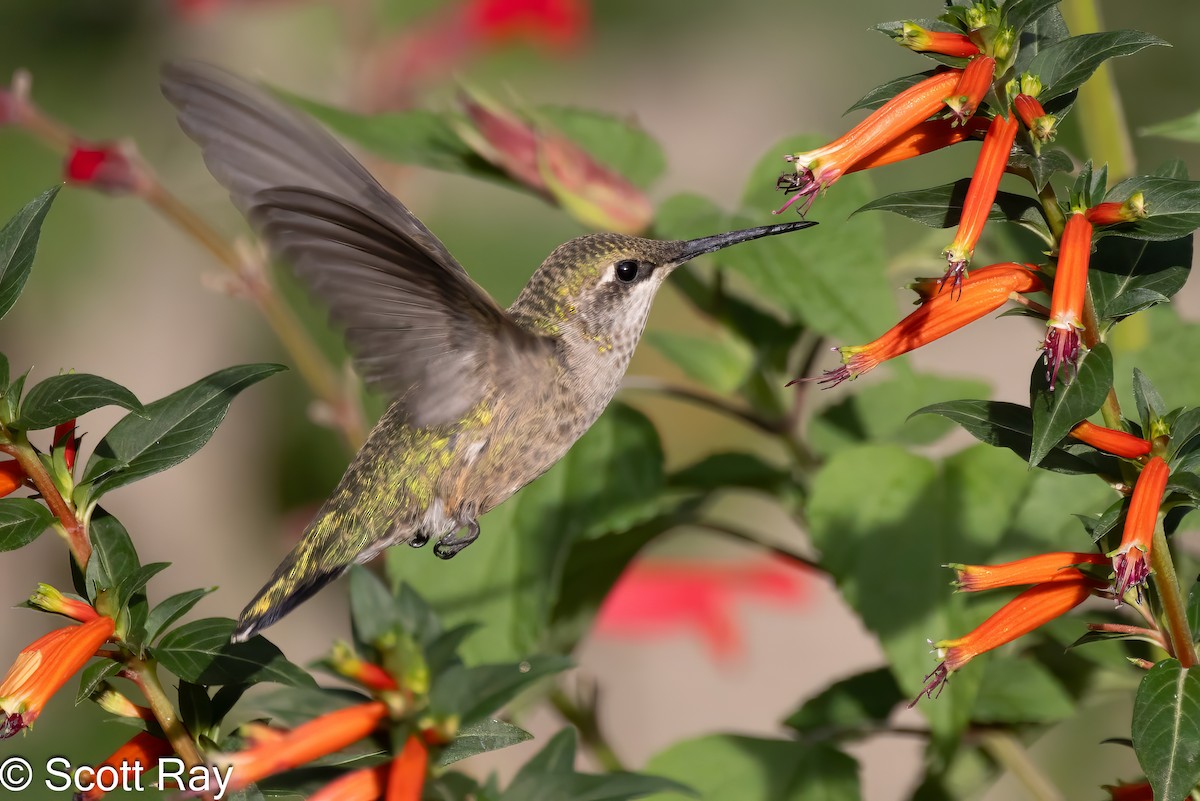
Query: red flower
point(51, 600)
point(980, 294)
point(1112, 213)
point(1040, 124)
point(972, 86)
point(64, 437)
point(346, 663)
point(818, 169)
point(1142, 791)
point(1041, 569)
point(45, 666)
point(112, 168)
point(557, 23)
point(1129, 559)
point(144, 751)
point(1066, 303)
point(365, 784)
point(981, 194)
point(12, 477)
point(1118, 443)
point(927, 137)
point(657, 597)
point(944, 43)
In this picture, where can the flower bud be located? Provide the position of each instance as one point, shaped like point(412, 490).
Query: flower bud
point(12, 477)
point(944, 43)
point(1113, 213)
point(110, 167)
point(49, 599)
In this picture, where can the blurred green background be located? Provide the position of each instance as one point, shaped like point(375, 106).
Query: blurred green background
point(117, 291)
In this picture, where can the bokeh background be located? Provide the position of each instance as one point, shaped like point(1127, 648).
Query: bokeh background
point(119, 292)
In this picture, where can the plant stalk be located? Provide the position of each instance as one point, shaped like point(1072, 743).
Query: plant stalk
point(144, 674)
point(74, 531)
point(1174, 610)
point(1007, 750)
point(584, 719)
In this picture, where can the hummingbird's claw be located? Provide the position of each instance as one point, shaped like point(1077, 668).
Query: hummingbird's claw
point(450, 544)
point(418, 540)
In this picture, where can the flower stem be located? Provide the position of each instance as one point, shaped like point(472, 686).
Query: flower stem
point(1105, 134)
point(1007, 750)
point(75, 532)
point(584, 719)
point(1174, 610)
point(144, 674)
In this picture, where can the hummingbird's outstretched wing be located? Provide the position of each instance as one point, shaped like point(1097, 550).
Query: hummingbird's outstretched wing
point(419, 328)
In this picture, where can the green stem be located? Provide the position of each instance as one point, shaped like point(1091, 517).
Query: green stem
point(74, 531)
point(1105, 134)
point(1012, 756)
point(1174, 610)
point(144, 673)
point(1054, 213)
point(747, 537)
point(584, 719)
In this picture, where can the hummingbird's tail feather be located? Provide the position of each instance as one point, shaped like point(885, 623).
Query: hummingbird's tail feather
point(290, 586)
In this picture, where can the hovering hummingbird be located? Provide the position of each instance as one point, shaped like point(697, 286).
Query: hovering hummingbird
point(486, 399)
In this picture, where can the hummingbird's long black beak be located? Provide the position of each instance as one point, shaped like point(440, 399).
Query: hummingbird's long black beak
point(707, 244)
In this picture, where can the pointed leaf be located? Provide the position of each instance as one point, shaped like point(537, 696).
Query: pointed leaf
point(476, 692)
point(1047, 29)
point(91, 676)
point(1166, 729)
point(1181, 129)
point(65, 397)
point(169, 430)
point(1019, 14)
point(114, 556)
point(1055, 413)
point(1172, 207)
point(942, 206)
point(1016, 690)
point(481, 737)
point(22, 520)
point(1150, 405)
point(1066, 65)
point(372, 607)
point(860, 703)
point(882, 94)
point(1128, 275)
point(136, 581)
point(1042, 165)
point(18, 245)
point(201, 652)
point(171, 610)
point(735, 469)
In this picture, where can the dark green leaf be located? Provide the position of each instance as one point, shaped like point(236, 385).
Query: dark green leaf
point(511, 578)
point(1006, 425)
point(1090, 637)
point(1184, 430)
point(616, 143)
point(726, 470)
point(22, 520)
point(941, 206)
point(882, 94)
point(1019, 14)
point(3, 372)
point(65, 397)
point(1150, 405)
point(372, 607)
point(1039, 34)
point(10, 397)
point(1172, 207)
point(1072, 400)
point(201, 652)
point(1043, 165)
point(1018, 690)
point(1166, 729)
point(171, 610)
point(1172, 168)
point(1128, 275)
point(851, 707)
point(169, 431)
point(721, 362)
point(91, 676)
point(113, 555)
point(1185, 484)
point(18, 245)
point(1064, 66)
point(551, 776)
point(1091, 185)
point(136, 581)
point(481, 737)
point(476, 692)
point(291, 706)
point(726, 767)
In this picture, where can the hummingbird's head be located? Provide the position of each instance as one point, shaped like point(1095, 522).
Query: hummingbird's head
point(600, 286)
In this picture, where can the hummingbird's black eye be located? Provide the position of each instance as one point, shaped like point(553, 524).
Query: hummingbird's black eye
point(627, 271)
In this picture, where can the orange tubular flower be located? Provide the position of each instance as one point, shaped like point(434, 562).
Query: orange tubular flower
point(1041, 569)
point(312, 740)
point(1112, 213)
point(1040, 124)
point(144, 751)
point(1066, 304)
point(1034, 607)
point(406, 779)
point(972, 85)
point(944, 43)
point(12, 477)
point(984, 291)
point(985, 181)
point(366, 784)
point(45, 666)
point(1129, 559)
point(49, 599)
point(818, 169)
point(348, 664)
point(1118, 443)
point(927, 137)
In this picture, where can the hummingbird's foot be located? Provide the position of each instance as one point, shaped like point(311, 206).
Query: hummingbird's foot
point(450, 544)
point(418, 540)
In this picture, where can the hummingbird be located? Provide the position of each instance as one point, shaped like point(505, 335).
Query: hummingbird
point(484, 399)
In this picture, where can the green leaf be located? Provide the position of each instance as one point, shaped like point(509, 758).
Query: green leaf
point(1172, 208)
point(1150, 405)
point(1038, 35)
point(1065, 66)
point(1129, 275)
point(171, 610)
point(169, 430)
point(551, 776)
point(1042, 165)
point(22, 520)
point(65, 397)
point(114, 556)
point(1073, 399)
point(719, 362)
point(481, 737)
point(18, 246)
point(799, 271)
point(1091, 184)
point(1019, 14)
point(201, 652)
point(1006, 425)
point(91, 676)
point(1166, 729)
point(1181, 129)
point(727, 767)
point(727, 470)
point(373, 609)
point(616, 143)
point(941, 206)
point(1016, 690)
point(476, 692)
point(882, 94)
point(848, 708)
point(510, 579)
point(136, 581)
point(3, 373)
